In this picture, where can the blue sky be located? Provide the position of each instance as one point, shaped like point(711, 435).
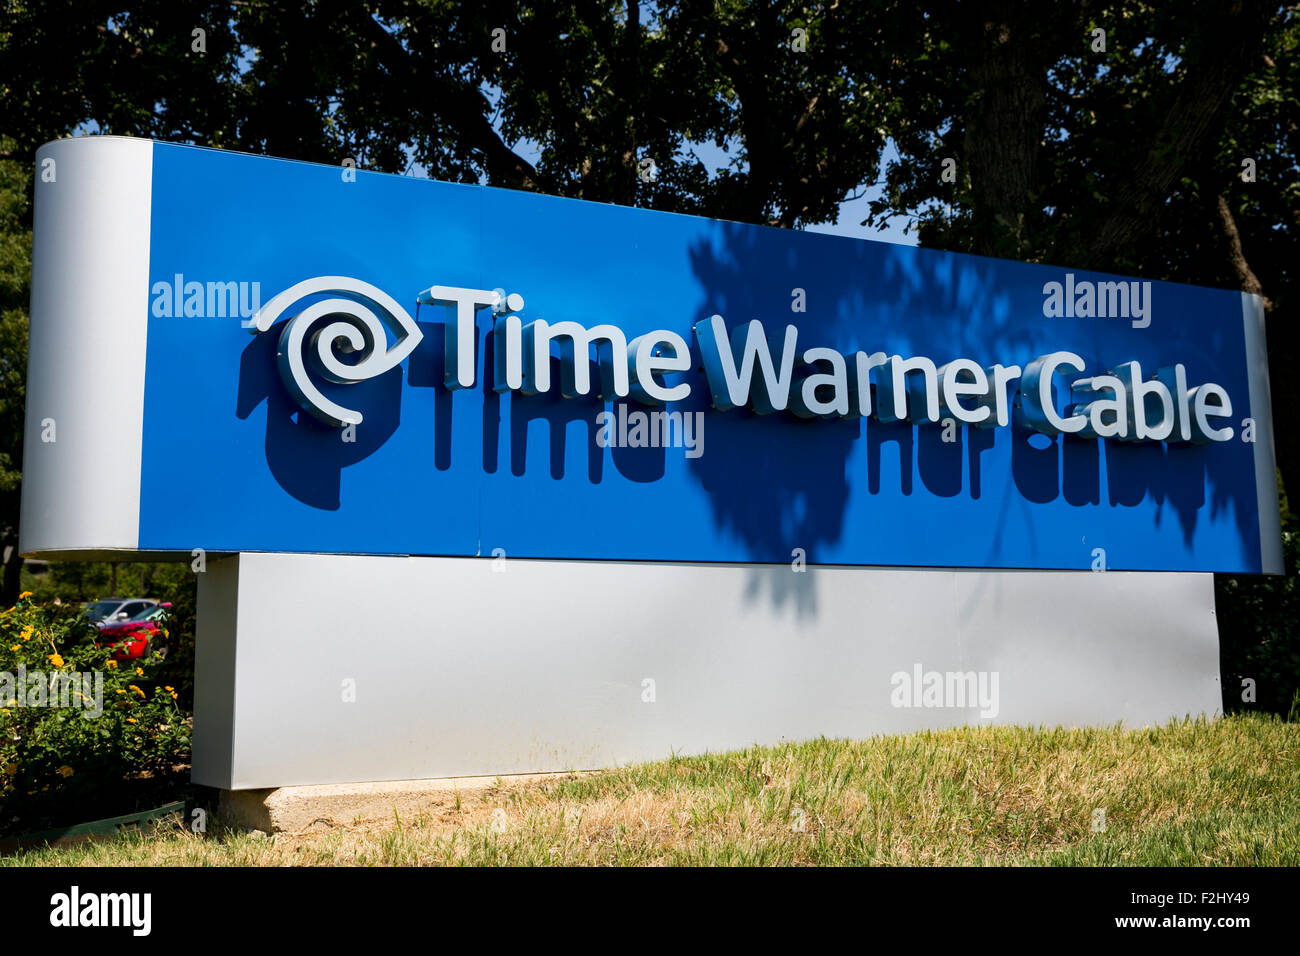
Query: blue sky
point(853, 210)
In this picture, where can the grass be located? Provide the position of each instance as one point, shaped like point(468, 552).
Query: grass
point(1194, 792)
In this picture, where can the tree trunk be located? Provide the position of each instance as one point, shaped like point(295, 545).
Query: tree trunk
point(13, 570)
point(742, 53)
point(1281, 348)
point(1191, 125)
point(1004, 128)
point(1246, 277)
point(625, 186)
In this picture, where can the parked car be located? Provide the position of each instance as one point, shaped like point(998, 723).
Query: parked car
point(137, 636)
point(111, 610)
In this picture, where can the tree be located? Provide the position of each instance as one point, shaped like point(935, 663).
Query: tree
point(1124, 159)
point(15, 286)
point(1102, 135)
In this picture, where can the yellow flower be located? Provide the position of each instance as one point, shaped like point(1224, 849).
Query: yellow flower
point(25, 594)
point(56, 660)
point(16, 647)
point(139, 672)
point(112, 665)
point(119, 691)
point(26, 634)
point(136, 689)
point(66, 771)
point(168, 687)
point(130, 720)
point(174, 697)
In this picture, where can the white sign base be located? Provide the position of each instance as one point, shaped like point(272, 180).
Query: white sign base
point(315, 669)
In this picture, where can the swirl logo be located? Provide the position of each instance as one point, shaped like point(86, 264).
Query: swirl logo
point(341, 339)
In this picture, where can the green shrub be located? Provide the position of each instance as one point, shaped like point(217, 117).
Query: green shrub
point(68, 763)
point(1259, 634)
point(177, 670)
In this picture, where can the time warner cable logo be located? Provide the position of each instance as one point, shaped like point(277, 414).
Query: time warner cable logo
point(343, 339)
point(74, 909)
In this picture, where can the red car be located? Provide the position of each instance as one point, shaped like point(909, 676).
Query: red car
point(132, 638)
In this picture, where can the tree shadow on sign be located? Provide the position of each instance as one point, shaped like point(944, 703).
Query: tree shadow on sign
point(902, 300)
point(306, 456)
point(779, 484)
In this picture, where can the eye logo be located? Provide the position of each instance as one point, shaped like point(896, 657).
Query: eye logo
point(316, 340)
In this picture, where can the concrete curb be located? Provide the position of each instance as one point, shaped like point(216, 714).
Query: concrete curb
point(294, 810)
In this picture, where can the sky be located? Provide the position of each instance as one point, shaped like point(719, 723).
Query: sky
point(852, 211)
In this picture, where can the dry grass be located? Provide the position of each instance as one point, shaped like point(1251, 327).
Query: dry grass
point(1225, 792)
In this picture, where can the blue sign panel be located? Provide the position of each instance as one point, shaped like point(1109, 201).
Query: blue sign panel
point(341, 361)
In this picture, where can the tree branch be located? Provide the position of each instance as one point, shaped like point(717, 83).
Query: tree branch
point(463, 107)
point(1191, 124)
point(1246, 278)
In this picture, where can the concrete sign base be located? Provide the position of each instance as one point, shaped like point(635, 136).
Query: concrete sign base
point(318, 669)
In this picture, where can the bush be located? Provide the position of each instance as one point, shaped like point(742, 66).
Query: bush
point(177, 670)
point(1259, 634)
point(66, 763)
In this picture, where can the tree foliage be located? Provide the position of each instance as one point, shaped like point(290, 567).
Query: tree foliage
point(1103, 135)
